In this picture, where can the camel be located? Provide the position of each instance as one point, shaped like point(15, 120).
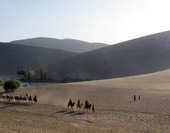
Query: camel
point(79, 105)
point(30, 98)
point(88, 107)
point(35, 99)
point(11, 98)
point(7, 97)
point(24, 98)
point(16, 98)
point(3, 97)
point(20, 97)
point(71, 104)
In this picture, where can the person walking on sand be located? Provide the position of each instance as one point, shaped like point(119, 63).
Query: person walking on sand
point(134, 97)
point(93, 110)
point(139, 97)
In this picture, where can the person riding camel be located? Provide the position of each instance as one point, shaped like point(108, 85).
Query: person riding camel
point(35, 98)
point(78, 102)
point(86, 103)
point(70, 102)
point(30, 98)
point(20, 98)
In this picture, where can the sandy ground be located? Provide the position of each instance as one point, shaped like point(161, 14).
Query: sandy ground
point(115, 109)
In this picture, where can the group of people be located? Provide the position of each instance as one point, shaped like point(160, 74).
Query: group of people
point(134, 97)
point(86, 105)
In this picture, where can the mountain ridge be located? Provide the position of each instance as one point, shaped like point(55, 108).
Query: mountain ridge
point(16, 57)
point(71, 45)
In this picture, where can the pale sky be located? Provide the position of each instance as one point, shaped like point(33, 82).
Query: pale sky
point(105, 21)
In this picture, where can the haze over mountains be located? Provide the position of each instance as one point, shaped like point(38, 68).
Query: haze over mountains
point(139, 56)
point(65, 44)
point(134, 57)
point(16, 57)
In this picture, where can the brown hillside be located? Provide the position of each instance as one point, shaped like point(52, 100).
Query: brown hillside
point(139, 56)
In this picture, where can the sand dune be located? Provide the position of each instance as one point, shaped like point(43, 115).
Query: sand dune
point(138, 56)
point(115, 109)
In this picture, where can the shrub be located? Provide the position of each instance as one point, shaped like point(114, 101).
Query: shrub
point(1, 83)
point(11, 85)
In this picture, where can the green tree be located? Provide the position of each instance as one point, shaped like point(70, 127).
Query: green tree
point(11, 85)
point(43, 73)
point(22, 72)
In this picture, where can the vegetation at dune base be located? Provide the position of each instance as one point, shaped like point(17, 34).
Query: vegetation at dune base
point(76, 79)
point(43, 73)
point(31, 73)
point(23, 73)
point(1, 83)
point(26, 74)
point(11, 85)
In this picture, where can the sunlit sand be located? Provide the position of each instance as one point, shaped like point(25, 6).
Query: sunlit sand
point(115, 108)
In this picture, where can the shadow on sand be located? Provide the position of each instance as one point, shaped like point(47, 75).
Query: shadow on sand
point(72, 113)
point(6, 104)
point(131, 101)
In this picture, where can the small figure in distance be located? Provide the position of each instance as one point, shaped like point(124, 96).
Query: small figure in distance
point(134, 97)
point(139, 97)
point(93, 110)
point(78, 103)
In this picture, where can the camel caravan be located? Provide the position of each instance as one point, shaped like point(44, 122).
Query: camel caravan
point(19, 98)
point(87, 105)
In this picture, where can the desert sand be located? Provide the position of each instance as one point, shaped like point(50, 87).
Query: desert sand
point(115, 108)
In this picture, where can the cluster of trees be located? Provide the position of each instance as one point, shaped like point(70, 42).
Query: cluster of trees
point(13, 84)
point(27, 74)
point(31, 73)
point(43, 73)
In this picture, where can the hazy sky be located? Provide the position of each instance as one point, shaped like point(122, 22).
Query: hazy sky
point(107, 21)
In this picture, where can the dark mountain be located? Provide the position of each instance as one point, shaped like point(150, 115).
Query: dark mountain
point(15, 57)
point(65, 44)
point(139, 56)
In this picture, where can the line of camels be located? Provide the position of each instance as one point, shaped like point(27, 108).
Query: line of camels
point(19, 98)
point(87, 106)
point(25, 98)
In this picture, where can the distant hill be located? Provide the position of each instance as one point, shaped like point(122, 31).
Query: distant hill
point(15, 57)
point(65, 44)
point(138, 56)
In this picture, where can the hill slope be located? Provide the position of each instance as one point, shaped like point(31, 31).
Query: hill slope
point(15, 57)
point(115, 109)
point(139, 56)
point(65, 44)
